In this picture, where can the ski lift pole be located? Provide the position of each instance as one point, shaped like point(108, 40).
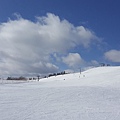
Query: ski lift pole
point(38, 77)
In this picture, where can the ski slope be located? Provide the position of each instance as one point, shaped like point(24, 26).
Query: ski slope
point(92, 95)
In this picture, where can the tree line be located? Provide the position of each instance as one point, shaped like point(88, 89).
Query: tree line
point(17, 78)
point(56, 74)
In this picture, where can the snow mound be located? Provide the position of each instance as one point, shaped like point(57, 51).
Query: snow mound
point(99, 76)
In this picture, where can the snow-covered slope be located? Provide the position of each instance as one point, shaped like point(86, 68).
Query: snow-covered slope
point(100, 76)
point(92, 95)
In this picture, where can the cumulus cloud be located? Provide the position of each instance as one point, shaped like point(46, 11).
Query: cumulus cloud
point(113, 55)
point(27, 46)
point(73, 60)
point(94, 63)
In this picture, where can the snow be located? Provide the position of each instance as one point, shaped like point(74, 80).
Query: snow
point(92, 95)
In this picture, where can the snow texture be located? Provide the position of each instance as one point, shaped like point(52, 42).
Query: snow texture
point(92, 95)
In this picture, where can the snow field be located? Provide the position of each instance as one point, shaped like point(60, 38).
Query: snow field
point(93, 95)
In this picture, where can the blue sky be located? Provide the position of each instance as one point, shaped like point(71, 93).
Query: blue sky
point(41, 36)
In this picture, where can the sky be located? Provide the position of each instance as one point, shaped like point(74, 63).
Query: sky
point(42, 37)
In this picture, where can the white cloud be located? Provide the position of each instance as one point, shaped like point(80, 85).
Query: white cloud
point(113, 55)
point(73, 60)
point(24, 44)
point(94, 63)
